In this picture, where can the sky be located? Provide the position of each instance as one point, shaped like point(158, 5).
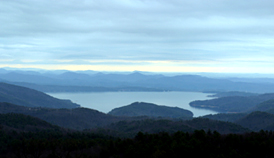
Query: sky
point(224, 36)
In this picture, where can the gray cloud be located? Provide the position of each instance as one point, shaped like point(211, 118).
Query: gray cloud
point(49, 30)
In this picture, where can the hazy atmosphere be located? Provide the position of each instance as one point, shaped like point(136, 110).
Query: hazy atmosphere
point(144, 35)
point(136, 78)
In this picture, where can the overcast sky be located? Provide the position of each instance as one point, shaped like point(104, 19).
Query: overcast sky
point(144, 35)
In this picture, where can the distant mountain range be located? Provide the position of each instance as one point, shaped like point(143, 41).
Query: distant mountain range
point(64, 81)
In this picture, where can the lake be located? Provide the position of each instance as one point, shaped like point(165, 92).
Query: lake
point(106, 101)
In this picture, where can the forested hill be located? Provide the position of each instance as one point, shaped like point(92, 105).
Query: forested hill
point(129, 129)
point(31, 98)
point(82, 118)
point(151, 110)
point(257, 121)
point(24, 123)
point(233, 103)
point(266, 106)
point(77, 118)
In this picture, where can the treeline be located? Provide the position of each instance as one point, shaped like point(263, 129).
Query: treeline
point(52, 144)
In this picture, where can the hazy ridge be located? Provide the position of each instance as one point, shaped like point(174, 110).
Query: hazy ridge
point(136, 81)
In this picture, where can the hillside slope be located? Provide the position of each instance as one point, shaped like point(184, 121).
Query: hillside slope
point(128, 129)
point(254, 121)
point(264, 106)
point(233, 103)
point(31, 98)
point(257, 121)
point(24, 123)
point(78, 118)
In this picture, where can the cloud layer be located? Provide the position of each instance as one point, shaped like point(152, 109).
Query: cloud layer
point(197, 33)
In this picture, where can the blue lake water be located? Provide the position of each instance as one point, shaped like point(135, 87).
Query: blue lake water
point(106, 101)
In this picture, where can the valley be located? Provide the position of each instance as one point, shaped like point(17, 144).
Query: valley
point(156, 106)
